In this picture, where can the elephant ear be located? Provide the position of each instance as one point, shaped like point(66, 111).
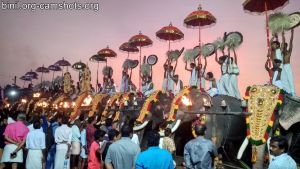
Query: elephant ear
point(290, 112)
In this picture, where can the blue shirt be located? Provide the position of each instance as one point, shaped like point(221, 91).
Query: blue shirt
point(75, 134)
point(283, 161)
point(83, 137)
point(154, 158)
point(199, 152)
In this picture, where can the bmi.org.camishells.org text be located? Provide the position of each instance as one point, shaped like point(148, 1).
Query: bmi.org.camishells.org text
point(34, 6)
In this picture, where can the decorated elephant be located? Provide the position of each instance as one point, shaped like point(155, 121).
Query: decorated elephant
point(222, 115)
point(272, 112)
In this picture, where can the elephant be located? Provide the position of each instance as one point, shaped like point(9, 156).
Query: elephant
point(272, 110)
point(223, 117)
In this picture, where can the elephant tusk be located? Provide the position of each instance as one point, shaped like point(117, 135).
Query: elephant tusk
point(176, 125)
point(242, 148)
point(140, 127)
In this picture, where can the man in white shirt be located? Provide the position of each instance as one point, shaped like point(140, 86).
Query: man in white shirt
point(35, 143)
point(63, 137)
point(75, 149)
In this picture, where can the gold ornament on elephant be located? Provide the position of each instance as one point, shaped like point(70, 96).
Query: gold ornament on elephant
point(85, 80)
point(67, 83)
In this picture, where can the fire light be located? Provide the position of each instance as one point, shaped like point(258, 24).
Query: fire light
point(36, 95)
point(186, 101)
point(23, 101)
point(87, 101)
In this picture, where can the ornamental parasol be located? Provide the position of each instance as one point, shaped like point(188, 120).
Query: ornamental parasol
point(199, 19)
point(140, 40)
point(79, 66)
point(263, 6)
point(25, 78)
point(42, 70)
point(107, 53)
point(126, 47)
point(169, 33)
point(97, 58)
point(63, 63)
point(54, 68)
point(31, 74)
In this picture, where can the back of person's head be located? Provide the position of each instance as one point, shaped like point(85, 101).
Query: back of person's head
point(126, 130)
point(112, 134)
point(200, 130)
point(108, 122)
point(64, 120)
point(168, 132)
point(282, 142)
point(21, 117)
point(210, 74)
point(99, 134)
point(153, 139)
point(77, 122)
point(90, 120)
point(36, 124)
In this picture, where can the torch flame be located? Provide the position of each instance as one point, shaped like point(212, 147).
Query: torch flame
point(186, 101)
point(87, 101)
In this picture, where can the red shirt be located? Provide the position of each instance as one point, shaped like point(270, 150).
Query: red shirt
point(90, 130)
point(16, 131)
point(93, 162)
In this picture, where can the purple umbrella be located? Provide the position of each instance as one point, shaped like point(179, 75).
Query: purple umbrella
point(31, 74)
point(42, 70)
point(54, 68)
point(63, 63)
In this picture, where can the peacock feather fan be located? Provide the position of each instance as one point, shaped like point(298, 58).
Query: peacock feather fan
point(190, 55)
point(107, 71)
point(146, 69)
point(219, 44)
point(279, 22)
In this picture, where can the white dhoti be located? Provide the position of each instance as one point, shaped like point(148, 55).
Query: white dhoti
point(287, 79)
point(75, 149)
point(212, 92)
point(164, 85)
point(34, 159)
point(60, 157)
point(234, 89)
point(194, 78)
point(223, 84)
point(8, 149)
point(277, 83)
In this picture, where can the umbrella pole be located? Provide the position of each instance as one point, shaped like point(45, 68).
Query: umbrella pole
point(62, 71)
point(42, 78)
point(127, 55)
point(24, 83)
point(52, 76)
point(268, 39)
point(140, 69)
point(199, 58)
point(97, 77)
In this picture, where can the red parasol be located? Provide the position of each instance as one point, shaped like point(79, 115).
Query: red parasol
point(107, 53)
point(198, 19)
point(126, 47)
point(263, 6)
point(141, 41)
point(42, 70)
point(169, 33)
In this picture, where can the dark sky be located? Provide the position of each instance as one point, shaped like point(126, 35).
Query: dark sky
point(29, 39)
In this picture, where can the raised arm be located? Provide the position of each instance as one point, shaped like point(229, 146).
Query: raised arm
point(235, 56)
point(267, 65)
point(291, 41)
point(283, 41)
point(204, 68)
point(175, 67)
point(216, 57)
point(186, 67)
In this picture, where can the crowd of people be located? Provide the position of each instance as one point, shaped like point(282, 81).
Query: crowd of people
point(56, 143)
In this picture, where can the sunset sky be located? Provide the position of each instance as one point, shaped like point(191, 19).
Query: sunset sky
point(29, 39)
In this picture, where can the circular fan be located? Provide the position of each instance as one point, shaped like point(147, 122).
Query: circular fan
point(234, 39)
point(152, 60)
point(294, 19)
point(208, 49)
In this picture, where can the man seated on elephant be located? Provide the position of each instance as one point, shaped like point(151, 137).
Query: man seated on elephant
point(200, 152)
point(213, 90)
point(278, 148)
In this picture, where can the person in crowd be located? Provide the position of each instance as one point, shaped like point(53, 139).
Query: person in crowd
point(94, 159)
point(124, 82)
point(201, 71)
point(90, 130)
point(154, 157)
point(275, 72)
point(113, 136)
point(63, 137)
point(75, 148)
point(50, 141)
point(178, 85)
point(199, 152)
point(167, 142)
point(194, 73)
point(123, 153)
point(36, 145)
point(83, 152)
point(278, 148)
point(15, 138)
point(213, 90)
point(3, 124)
